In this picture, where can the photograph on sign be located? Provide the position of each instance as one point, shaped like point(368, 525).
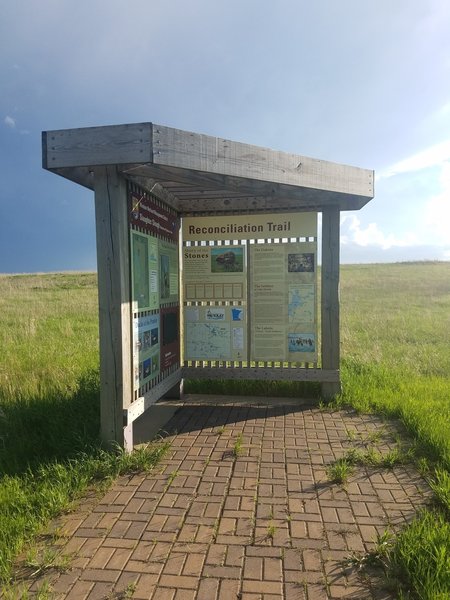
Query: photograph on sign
point(224, 260)
point(302, 342)
point(301, 262)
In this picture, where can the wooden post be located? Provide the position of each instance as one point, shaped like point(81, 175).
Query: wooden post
point(330, 297)
point(113, 266)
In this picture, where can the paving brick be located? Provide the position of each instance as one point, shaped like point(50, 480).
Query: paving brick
point(262, 587)
point(222, 572)
point(312, 560)
point(234, 556)
point(208, 589)
point(178, 581)
point(272, 569)
point(80, 591)
point(145, 587)
point(294, 591)
point(100, 591)
point(196, 539)
point(185, 595)
point(102, 575)
point(101, 557)
point(253, 568)
point(229, 590)
point(194, 564)
point(118, 542)
point(174, 564)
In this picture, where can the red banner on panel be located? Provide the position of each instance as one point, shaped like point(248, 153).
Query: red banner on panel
point(170, 337)
point(152, 218)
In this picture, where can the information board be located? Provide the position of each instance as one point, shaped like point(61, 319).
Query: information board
point(146, 349)
point(154, 237)
point(214, 273)
point(215, 333)
point(144, 271)
point(168, 272)
point(283, 302)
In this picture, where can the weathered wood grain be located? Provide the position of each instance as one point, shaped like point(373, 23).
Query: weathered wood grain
point(330, 346)
point(261, 373)
point(93, 146)
point(113, 267)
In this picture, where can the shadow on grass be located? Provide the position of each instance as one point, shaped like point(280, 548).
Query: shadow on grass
point(34, 431)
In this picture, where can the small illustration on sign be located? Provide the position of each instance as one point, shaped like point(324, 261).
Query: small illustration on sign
point(227, 261)
point(301, 263)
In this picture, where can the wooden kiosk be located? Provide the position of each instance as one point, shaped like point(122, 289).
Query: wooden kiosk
point(240, 281)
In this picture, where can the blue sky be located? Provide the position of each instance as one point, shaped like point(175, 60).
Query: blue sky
point(351, 81)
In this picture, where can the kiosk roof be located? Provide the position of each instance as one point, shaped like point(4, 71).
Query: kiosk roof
point(200, 174)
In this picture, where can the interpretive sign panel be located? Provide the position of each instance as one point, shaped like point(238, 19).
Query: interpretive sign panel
point(152, 217)
point(215, 333)
point(170, 348)
point(168, 272)
point(214, 273)
point(154, 238)
point(146, 344)
point(283, 302)
point(144, 273)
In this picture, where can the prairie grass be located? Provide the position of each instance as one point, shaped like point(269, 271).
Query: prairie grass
point(49, 406)
point(395, 362)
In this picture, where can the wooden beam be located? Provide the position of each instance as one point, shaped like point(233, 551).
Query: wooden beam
point(270, 190)
point(113, 266)
point(92, 146)
point(197, 152)
point(206, 163)
point(261, 373)
point(330, 298)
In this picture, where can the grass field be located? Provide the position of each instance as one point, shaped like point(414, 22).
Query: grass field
point(395, 361)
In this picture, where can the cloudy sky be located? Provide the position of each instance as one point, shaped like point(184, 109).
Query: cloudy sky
point(361, 82)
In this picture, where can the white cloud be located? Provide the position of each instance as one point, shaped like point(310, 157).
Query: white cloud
point(437, 210)
point(9, 121)
point(372, 235)
point(433, 156)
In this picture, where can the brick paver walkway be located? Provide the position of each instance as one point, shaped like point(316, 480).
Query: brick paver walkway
point(241, 508)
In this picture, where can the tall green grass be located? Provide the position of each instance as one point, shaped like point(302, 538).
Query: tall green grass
point(50, 451)
point(395, 361)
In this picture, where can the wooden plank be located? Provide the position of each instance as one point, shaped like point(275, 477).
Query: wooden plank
point(197, 152)
point(273, 194)
point(139, 406)
point(92, 146)
point(330, 298)
point(261, 373)
point(113, 266)
point(271, 179)
point(154, 187)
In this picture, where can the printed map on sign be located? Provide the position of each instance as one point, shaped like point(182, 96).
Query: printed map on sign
point(208, 341)
point(301, 303)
